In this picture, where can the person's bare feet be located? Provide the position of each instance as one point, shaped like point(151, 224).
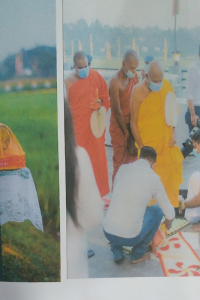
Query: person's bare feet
point(196, 227)
point(145, 257)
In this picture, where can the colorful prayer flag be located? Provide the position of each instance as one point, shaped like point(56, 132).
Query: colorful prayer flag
point(118, 44)
point(175, 7)
point(91, 45)
point(134, 45)
point(108, 52)
point(80, 46)
point(72, 44)
point(165, 50)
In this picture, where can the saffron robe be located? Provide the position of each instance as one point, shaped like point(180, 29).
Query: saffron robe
point(121, 154)
point(81, 94)
point(155, 132)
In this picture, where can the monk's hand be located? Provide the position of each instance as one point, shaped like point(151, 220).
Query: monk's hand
point(194, 119)
point(126, 138)
point(172, 141)
point(100, 102)
point(168, 223)
point(95, 104)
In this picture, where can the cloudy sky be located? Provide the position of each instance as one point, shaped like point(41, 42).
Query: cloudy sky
point(141, 13)
point(25, 24)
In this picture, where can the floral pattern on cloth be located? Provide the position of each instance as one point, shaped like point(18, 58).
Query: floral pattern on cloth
point(177, 257)
point(18, 198)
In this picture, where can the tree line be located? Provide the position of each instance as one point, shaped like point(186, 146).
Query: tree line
point(40, 60)
point(150, 37)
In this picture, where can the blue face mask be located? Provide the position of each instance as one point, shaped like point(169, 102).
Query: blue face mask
point(129, 74)
point(196, 154)
point(155, 87)
point(83, 73)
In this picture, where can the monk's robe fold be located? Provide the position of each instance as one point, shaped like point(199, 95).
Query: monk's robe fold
point(121, 154)
point(155, 132)
point(81, 93)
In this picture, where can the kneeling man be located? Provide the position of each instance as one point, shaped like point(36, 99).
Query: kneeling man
point(129, 221)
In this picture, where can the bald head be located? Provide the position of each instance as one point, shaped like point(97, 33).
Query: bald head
point(130, 63)
point(80, 56)
point(155, 72)
point(130, 54)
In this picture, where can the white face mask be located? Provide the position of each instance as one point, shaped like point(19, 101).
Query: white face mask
point(129, 74)
point(146, 68)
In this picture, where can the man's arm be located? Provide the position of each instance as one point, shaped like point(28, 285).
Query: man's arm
point(194, 202)
point(134, 110)
point(115, 106)
point(190, 88)
point(161, 198)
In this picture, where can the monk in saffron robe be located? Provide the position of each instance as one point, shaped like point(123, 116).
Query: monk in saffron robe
point(82, 88)
point(149, 127)
point(124, 150)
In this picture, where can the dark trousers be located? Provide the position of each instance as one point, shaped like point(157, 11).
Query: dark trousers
point(188, 117)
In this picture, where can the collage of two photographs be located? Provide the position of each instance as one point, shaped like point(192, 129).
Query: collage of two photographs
point(131, 78)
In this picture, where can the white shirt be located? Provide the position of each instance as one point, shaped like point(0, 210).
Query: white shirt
point(193, 83)
point(89, 215)
point(134, 187)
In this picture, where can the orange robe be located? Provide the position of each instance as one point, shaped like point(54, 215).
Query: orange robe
point(155, 132)
point(81, 93)
point(121, 153)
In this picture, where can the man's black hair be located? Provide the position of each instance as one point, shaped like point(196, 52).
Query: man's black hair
point(79, 55)
point(196, 136)
point(148, 153)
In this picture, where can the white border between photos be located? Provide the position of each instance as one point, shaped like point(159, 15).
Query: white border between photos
point(92, 289)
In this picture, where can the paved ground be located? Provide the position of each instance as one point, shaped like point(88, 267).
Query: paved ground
point(102, 266)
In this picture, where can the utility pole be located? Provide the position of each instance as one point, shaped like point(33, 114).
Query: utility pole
point(175, 27)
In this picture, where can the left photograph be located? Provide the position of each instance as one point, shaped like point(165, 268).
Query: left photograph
point(29, 172)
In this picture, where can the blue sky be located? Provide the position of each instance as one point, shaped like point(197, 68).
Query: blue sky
point(25, 24)
point(141, 13)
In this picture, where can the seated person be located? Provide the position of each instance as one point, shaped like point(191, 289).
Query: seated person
point(129, 220)
point(192, 203)
point(18, 197)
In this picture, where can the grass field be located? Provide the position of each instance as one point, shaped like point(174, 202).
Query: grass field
point(28, 254)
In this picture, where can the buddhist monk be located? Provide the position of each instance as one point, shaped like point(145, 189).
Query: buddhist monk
point(121, 84)
point(150, 128)
point(86, 91)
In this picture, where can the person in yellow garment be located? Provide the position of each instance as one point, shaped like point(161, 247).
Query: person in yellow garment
point(149, 127)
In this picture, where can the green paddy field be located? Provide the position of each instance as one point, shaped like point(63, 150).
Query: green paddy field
point(27, 253)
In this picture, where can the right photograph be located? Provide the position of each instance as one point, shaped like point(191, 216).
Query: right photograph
point(132, 138)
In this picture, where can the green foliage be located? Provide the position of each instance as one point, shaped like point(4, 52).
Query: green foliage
point(28, 255)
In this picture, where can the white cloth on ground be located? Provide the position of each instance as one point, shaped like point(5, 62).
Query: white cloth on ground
point(134, 187)
point(18, 198)
point(193, 214)
point(89, 215)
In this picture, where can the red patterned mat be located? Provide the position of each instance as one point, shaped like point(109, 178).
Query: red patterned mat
point(177, 257)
